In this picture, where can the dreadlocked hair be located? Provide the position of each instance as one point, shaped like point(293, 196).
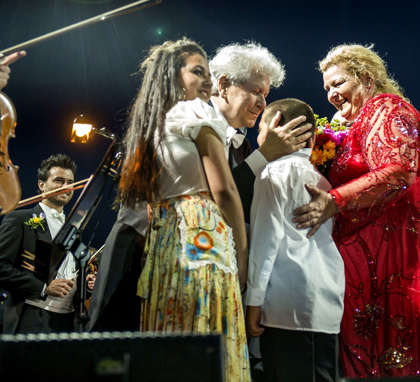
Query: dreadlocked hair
point(159, 92)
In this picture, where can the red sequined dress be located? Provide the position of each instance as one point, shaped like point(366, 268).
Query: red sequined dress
point(377, 189)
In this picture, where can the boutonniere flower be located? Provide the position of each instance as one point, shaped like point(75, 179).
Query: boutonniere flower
point(36, 221)
point(328, 138)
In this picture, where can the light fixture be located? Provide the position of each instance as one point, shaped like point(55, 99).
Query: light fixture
point(82, 128)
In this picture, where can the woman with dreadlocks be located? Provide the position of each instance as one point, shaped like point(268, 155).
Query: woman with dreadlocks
point(196, 242)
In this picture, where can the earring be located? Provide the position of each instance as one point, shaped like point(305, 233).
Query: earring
point(185, 94)
point(369, 83)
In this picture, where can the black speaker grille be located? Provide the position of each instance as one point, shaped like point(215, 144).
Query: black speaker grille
point(112, 356)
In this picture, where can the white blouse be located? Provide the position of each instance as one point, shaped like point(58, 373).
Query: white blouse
point(182, 171)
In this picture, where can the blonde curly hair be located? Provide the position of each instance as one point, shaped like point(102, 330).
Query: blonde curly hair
point(362, 61)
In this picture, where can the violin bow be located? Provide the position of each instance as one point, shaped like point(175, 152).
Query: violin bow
point(62, 190)
point(126, 9)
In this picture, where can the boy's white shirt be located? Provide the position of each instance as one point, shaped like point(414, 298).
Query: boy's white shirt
point(299, 282)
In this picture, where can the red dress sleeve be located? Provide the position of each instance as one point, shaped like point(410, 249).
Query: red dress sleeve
point(385, 136)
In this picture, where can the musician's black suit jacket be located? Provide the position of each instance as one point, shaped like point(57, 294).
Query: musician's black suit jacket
point(18, 245)
point(114, 304)
point(243, 175)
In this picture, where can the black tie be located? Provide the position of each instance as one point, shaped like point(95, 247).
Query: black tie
point(238, 155)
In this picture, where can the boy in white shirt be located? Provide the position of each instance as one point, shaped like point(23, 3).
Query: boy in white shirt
point(295, 284)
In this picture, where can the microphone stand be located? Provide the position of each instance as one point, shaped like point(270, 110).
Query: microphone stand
point(69, 236)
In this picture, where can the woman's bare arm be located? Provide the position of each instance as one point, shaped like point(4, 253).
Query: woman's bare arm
point(224, 192)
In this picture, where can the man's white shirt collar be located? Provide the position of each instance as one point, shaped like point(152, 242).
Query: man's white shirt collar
point(53, 213)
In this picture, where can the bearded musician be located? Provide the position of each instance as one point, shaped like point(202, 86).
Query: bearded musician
point(36, 304)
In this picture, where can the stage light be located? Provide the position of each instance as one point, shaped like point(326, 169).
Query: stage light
point(82, 128)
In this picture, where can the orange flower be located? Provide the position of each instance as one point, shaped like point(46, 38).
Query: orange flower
point(330, 154)
point(316, 156)
point(330, 145)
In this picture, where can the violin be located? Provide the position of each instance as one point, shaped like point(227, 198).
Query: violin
point(10, 190)
point(92, 268)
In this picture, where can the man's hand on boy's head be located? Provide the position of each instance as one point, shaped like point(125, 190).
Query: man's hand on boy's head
point(253, 318)
point(278, 141)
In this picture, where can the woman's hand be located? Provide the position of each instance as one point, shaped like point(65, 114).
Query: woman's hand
point(319, 210)
point(253, 318)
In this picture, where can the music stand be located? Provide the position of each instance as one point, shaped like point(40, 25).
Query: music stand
point(68, 237)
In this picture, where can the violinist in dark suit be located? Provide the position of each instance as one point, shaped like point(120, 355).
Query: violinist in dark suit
point(36, 304)
point(242, 78)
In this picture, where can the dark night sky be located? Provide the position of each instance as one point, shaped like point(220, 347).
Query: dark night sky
point(91, 70)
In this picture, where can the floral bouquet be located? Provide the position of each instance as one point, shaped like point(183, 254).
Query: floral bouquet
point(328, 138)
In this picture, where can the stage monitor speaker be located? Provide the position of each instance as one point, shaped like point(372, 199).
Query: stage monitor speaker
point(383, 379)
point(112, 356)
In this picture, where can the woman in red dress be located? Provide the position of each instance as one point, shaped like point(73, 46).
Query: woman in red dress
point(376, 203)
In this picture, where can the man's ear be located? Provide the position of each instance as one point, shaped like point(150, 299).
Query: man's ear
point(41, 185)
point(222, 84)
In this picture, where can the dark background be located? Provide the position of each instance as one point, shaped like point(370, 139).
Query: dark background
point(91, 70)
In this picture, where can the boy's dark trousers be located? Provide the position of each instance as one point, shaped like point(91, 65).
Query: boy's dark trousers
point(293, 355)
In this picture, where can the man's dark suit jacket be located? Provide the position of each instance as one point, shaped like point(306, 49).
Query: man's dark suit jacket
point(18, 244)
point(243, 175)
point(114, 304)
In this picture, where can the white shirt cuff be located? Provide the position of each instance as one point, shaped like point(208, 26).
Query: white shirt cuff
point(44, 291)
point(255, 297)
point(256, 162)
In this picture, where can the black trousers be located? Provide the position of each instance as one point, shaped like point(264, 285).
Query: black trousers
point(299, 356)
point(36, 320)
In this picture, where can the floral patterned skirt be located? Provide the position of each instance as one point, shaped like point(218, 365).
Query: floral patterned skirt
point(190, 281)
